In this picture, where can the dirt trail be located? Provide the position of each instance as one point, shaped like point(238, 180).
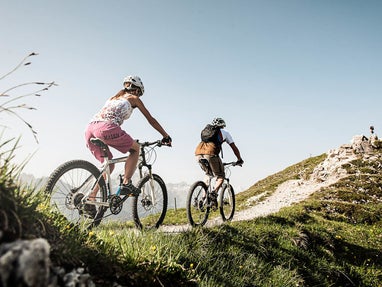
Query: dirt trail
point(289, 192)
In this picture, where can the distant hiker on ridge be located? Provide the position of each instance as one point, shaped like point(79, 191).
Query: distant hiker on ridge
point(373, 137)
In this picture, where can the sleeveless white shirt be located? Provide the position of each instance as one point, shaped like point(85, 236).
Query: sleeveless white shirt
point(115, 111)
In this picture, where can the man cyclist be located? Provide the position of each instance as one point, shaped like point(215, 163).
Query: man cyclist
point(210, 149)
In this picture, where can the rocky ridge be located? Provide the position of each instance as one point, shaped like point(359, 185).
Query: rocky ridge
point(325, 174)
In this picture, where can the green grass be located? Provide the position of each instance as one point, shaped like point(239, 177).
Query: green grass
point(262, 189)
point(332, 239)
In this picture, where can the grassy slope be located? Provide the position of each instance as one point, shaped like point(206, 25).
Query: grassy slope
point(332, 239)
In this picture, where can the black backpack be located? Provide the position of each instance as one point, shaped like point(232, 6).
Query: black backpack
point(210, 134)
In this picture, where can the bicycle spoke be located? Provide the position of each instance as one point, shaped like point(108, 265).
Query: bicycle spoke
point(197, 204)
point(68, 185)
point(149, 208)
point(227, 203)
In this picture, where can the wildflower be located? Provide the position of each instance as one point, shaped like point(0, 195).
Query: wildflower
point(192, 265)
point(153, 248)
point(91, 233)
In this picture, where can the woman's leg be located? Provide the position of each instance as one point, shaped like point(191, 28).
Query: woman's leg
point(131, 162)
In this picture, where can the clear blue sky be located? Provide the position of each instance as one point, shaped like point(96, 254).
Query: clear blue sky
point(291, 78)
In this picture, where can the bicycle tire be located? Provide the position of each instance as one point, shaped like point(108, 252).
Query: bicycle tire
point(146, 213)
point(227, 202)
point(197, 207)
point(68, 177)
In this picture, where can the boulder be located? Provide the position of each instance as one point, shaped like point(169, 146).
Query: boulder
point(25, 263)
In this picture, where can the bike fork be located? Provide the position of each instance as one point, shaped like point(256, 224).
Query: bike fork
point(151, 186)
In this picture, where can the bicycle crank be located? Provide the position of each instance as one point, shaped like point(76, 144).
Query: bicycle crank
point(116, 204)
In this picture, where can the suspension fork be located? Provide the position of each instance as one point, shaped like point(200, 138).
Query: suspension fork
point(226, 183)
point(142, 164)
point(151, 179)
point(152, 187)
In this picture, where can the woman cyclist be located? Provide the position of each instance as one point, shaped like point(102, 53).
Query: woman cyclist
point(106, 125)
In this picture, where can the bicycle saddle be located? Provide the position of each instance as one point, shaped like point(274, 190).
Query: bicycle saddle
point(204, 162)
point(98, 142)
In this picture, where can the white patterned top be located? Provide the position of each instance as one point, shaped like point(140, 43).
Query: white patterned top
point(115, 111)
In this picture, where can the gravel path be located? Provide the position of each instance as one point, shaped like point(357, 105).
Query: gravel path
point(286, 194)
point(289, 192)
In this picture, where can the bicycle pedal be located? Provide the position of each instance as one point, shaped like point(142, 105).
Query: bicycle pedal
point(129, 190)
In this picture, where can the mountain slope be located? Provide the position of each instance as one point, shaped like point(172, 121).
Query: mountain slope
point(328, 171)
point(330, 238)
point(292, 191)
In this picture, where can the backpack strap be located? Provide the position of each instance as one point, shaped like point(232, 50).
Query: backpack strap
point(220, 136)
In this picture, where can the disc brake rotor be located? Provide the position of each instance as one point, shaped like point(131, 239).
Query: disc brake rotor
point(74, 201)
point(147, 203)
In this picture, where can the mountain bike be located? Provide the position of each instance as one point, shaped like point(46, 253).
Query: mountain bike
point(71, 184)
point(200, 203)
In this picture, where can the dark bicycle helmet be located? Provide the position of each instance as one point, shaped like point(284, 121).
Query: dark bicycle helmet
point(218, 122)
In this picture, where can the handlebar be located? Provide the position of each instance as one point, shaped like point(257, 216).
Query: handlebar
point(148, 153)
point(232, 163)
point(157, 143)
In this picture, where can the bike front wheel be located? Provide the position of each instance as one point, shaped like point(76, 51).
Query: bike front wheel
point(150, 206)
point(197, 204)
point(227, 202)
point(67, 186)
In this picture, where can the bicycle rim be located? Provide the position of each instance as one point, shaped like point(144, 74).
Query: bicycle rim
point(67, 186)
point(150, 207)
point(197, 204)
point(227, 203)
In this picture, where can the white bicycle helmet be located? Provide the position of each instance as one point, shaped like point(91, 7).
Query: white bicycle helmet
point(136, 81)
point(219, 122)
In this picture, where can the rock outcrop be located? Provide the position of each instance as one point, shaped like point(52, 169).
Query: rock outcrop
point(26, 263)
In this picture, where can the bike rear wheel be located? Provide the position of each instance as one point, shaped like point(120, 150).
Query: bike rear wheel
point(197, 204)
point(227, 202)
point(150, 207)
point(67, 186)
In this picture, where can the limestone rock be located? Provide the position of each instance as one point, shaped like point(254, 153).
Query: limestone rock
point(25, 263)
